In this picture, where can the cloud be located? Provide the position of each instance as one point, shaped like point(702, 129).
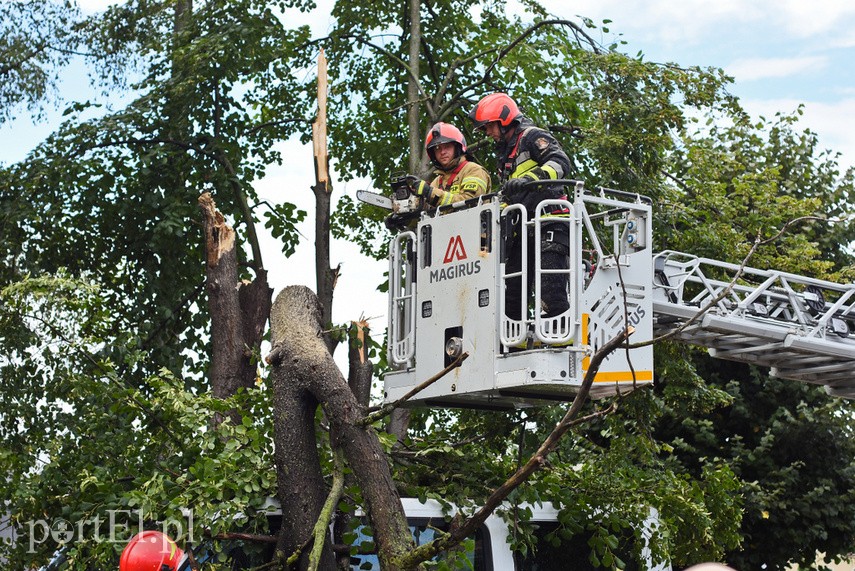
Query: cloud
point(828, 120)
point(701, 22)
point(835, 134)
point(845, 39)
point(813, 19)
point(764, 68)
point(665, 21)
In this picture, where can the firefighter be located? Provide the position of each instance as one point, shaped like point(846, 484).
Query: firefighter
point(526, 153)
point(456, 177)
point(153, 551)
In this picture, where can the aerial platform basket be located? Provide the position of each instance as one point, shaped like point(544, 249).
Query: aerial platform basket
point(446, 296)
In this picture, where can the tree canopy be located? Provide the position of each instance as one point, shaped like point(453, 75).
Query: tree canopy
point(106, 333)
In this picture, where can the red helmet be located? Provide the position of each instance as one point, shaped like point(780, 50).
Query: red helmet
point(151, 551)
point(495, 107)
point(444, 133)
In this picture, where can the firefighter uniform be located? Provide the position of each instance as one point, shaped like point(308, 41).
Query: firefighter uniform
point(530, 154)
point(465, 180)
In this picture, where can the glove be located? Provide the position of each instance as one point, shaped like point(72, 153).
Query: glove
point(417, 185)
point(514, 189)
point(422, 188)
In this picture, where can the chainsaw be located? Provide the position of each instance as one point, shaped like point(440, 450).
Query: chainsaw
point(402, 201)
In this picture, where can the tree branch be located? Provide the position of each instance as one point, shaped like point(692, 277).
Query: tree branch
point(307, 373)
point(240, 198)
point(278, 122)
point(486, 77)
point(218, 156)
point(107, 374)
point(389, 407)
point(323, 524)
point(18, 64)
point(410, 76)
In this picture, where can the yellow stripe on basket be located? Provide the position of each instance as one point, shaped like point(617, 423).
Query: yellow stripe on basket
point(610, 376)
point(586, 361)
point(623, 376)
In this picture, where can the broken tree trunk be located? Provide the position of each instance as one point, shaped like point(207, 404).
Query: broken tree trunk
point(324, 274)
point(304, 371)
point(239, 309)
point(361, 369)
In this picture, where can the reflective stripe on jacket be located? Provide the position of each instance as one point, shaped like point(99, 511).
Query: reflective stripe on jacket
point(469, 181)
point(533, 148)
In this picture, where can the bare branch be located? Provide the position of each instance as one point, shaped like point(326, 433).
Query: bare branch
point(323, 523)
point(254, 537)
point(389, 407)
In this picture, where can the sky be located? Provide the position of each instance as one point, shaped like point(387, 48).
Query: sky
point(781, 53)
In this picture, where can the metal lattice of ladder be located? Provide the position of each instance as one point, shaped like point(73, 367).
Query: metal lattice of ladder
point(800, 327)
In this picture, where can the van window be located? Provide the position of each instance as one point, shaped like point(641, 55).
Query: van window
point(424, 531)
point(572, 554)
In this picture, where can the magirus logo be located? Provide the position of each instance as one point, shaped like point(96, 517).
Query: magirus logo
point(455, 251)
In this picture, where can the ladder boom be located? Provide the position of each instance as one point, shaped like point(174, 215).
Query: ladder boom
point(798, 326)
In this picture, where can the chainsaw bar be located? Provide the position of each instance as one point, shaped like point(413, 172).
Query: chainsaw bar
point(374, 199)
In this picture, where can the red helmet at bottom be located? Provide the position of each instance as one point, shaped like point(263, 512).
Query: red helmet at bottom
point(152, 551)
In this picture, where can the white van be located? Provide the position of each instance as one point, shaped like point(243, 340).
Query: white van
point(492, 547)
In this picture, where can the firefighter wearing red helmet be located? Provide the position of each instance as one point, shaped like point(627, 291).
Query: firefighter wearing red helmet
point(153, 551)
point(496, 107)
point(526, 153)
point(456, 177)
